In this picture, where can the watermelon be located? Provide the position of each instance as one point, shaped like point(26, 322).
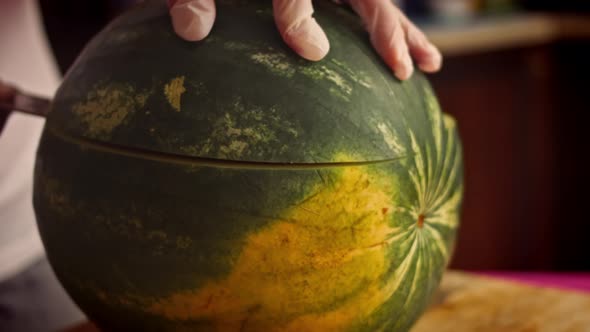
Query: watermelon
point(230, 185)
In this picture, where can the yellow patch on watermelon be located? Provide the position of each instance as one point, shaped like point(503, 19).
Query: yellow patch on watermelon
point(56, 195)
point(276, 62)
point(107, 106)
point(320, 268)
point(174, 90)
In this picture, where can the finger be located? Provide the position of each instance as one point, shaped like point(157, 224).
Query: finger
point(299, 29)
point(192, 19)
point(426, 55)
point(383, 22)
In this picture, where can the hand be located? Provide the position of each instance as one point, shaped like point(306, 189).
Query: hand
point(392, 34)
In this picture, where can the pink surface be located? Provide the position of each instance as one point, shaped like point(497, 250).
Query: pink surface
point(576, 281)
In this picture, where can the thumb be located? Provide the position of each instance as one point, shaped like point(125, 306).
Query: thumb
point(299, 29)
point(192, 19)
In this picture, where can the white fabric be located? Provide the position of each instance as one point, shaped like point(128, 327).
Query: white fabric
point(27, 62)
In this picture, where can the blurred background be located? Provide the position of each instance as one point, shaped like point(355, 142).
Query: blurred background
point(517, 78)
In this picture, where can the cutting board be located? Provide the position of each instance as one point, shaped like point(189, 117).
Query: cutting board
point(466, 302)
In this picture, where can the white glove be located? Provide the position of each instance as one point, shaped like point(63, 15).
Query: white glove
point(392, 34)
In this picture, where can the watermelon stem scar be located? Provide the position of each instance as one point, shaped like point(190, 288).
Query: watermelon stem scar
point(420, 222)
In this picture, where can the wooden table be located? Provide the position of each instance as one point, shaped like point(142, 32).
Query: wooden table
point(469, 302)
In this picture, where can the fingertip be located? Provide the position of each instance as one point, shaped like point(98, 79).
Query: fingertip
point(403, 71)
point(427, 56)
point(192, 20)
point(310, 51)
point(313, 53)
point(430, 61)
point(399, 55)
point(308, 39)
point(430, 66)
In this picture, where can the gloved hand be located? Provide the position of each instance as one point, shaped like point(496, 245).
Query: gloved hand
point(392, 34)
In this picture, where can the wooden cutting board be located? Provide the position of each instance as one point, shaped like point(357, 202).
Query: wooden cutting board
point(467, 302)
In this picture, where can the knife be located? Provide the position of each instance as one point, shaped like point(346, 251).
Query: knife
point(12, 99)
point(26, 103)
